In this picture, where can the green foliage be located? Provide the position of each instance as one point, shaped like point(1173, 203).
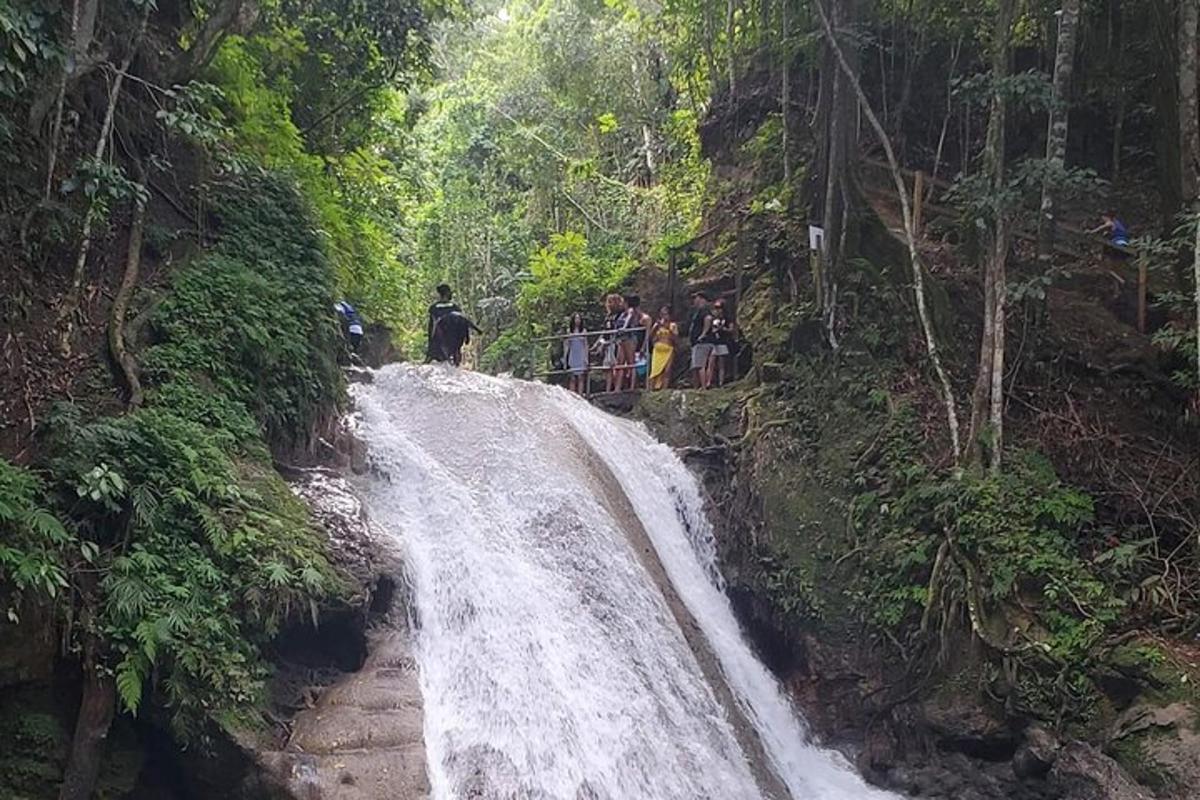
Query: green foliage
point(1016, 550)
point(27, 44)
point(567, 275)
point(792, 588)
point(34, 544)
point(184, 547)
point(252, 318)
point(202, 556)
point(360, 195)
point(550, 118)
point(35, 744)
point(1179, 336)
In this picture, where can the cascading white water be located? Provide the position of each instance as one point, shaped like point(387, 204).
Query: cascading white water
point(552, 665)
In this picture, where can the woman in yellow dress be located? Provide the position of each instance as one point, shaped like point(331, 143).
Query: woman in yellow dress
point(665, 335)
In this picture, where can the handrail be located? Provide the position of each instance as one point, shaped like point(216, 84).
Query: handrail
point(609, 332)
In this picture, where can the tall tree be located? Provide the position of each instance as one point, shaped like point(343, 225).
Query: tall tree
point(1056, 136)
point(987, 401)
point(1189, 112)
point(837, 154)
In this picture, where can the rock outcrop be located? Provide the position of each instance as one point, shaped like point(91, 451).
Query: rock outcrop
point(1081, 772)
point(356, 733)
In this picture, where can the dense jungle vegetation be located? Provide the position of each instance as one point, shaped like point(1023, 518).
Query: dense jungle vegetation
point(190, 185)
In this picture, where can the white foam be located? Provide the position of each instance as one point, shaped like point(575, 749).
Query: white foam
point(551, 665)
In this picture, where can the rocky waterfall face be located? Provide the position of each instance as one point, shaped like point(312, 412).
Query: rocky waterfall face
point(571, 632)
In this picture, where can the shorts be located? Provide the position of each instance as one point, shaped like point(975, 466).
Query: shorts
point(720, 350)
point(700, 353)
point(610, 355)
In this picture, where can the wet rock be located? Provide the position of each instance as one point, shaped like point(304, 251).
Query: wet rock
point(965, 727)
point(347, 690)
point(1160, 745)
point(1036, 754)
point(1081, 772)
point(376, 349)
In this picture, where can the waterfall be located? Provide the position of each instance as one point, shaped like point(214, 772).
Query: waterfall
point(572, 633)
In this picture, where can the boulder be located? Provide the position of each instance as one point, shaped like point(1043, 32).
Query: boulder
point(770, 372)
point(1081, 772)
point(1036, 753)
point(961, 725)
point(1164, 741)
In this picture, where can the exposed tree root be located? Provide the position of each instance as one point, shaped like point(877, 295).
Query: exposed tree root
point(70, 305)
point(116, 325)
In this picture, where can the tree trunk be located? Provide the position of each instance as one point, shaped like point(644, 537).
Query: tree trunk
point(730, 43)
point(988, 398)
point(230, 17)
point(1196, 288)
point(909, 228)
point(955, 50)
point(96, 709)
point(837, 131)
point(710, 35)
point(1189, 113)
point(70, 305)
point(116, 326)
point(912, 62)
point(1056, 135)
point(785, 91)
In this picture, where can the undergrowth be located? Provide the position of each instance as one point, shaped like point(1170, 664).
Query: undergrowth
point(867, 527)
point(251, 318)
point(179, 548)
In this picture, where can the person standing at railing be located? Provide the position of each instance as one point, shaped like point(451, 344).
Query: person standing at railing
point(614, 309)
point(631, 341)
point(665, 336)
point(721, 334)
point(700, 349)
point(575, 355)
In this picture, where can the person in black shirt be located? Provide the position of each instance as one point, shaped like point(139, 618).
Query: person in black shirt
point(441, 308)
point(701, 349)
point(721, 335)
point(450, 333)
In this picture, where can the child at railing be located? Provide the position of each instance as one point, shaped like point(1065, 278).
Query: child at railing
point(575, 355)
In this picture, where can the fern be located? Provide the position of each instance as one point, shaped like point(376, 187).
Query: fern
point(129, 679)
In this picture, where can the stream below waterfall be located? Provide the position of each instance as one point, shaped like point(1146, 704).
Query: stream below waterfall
point(571, 630)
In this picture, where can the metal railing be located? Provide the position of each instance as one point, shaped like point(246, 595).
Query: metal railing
point(538, 354)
